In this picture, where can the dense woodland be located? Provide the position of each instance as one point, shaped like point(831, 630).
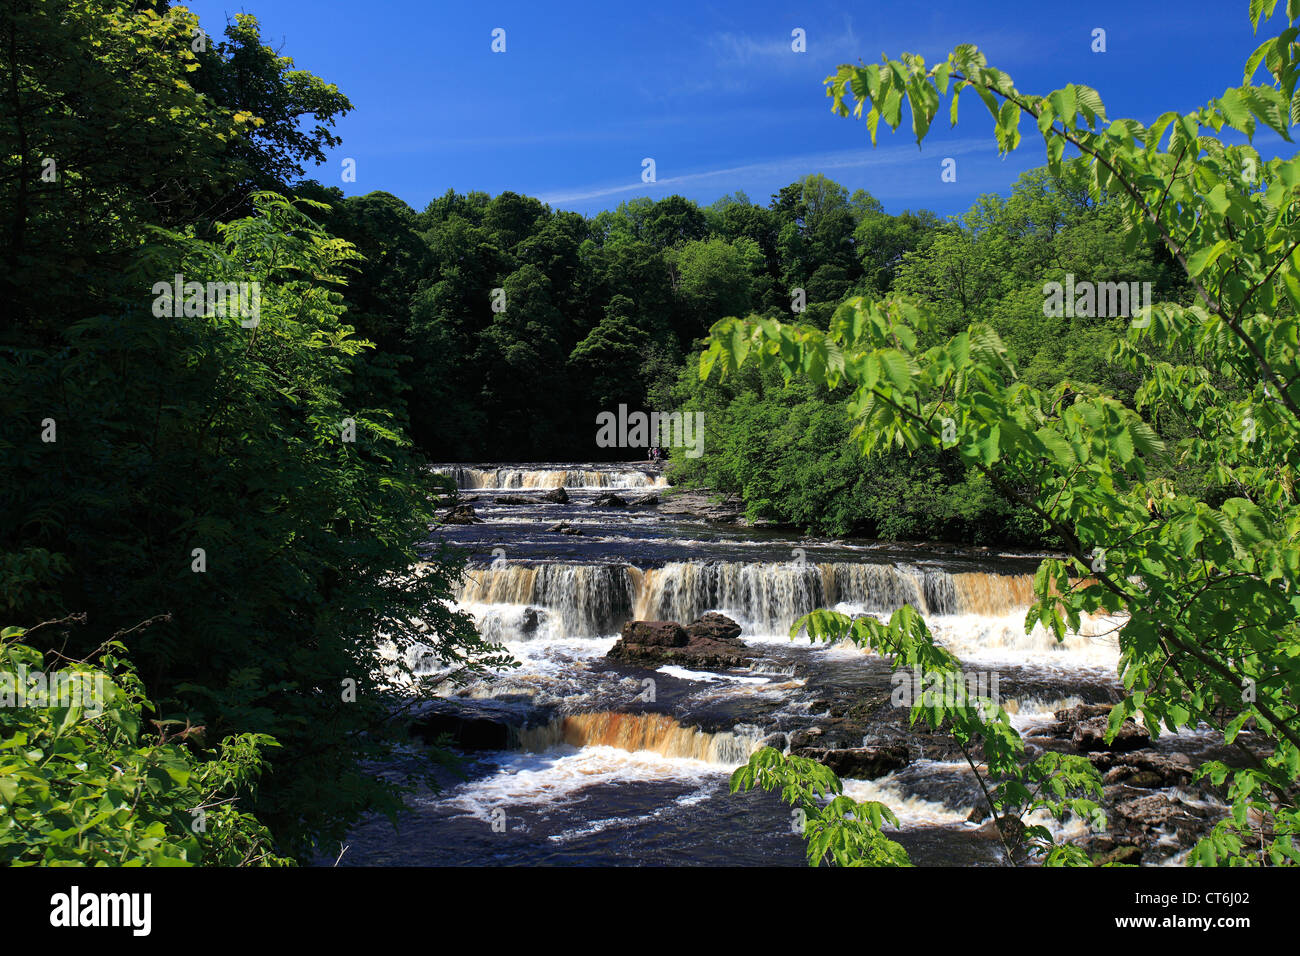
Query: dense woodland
point(177, 505)
point(610, 310)
point(599, 311)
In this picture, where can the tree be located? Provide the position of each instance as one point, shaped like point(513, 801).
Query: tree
point(100, 141)
point(214, 454)
point(672, 220)
point(90, 786)
point(881, 241)
point(1209, 585)
point(714, 277)
point(611, 356)
point(292, 111)
point(271, 520)
point(513, 218)
point(523, 360)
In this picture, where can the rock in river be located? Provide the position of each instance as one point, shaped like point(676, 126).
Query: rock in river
point(462, 515)
point(1086, 725)
point(860, 763)
point(711, 641)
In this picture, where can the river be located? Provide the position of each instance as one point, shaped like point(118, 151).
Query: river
point(576, 760)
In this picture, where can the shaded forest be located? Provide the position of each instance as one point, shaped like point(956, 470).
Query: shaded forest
point(597, 311)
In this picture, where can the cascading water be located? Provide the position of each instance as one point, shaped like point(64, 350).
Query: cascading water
point(655, 733)
point(590, 600)
point(607, 762)
point(766, 598)
point(508, 477)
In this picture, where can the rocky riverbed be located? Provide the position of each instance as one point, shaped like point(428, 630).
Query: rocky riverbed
point(652, 629)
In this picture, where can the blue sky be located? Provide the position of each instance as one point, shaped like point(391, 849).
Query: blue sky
point(712, 91)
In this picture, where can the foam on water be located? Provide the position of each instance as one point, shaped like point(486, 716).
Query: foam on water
point(1002, 638)
point(559, 618)
point(560, 775)
point(1031, 713)
point(709, 676)
point(513, 478)
point(910, 809)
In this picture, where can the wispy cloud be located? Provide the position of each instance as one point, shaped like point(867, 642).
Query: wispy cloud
point(744, 50)
point(735, 62)
point(789, 166)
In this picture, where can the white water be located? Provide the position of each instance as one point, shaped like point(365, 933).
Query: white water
point(559, 619)
point(497, 479)
point(980, 617)
point(560, 775)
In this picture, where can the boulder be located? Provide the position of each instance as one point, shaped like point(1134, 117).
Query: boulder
point(464, 514)
point(476, 724)
point(1091, 735)
point(529, 621)
point(655, 633)
point(1085, 726)
point(609, 500)
point(1143, 769)
point(557, 496)
point(715, 627)
point(468, 731)
point(645, 501)
point(806, 738)
point(711, 644)
point(1125, 853)
point(1152, 811)
point(859, 763)
point(513, 500)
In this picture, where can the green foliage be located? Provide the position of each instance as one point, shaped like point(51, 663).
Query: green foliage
point(1013, 786)
point(842, 831)
point(204, 473)
point(288, 113)
point(714, 276)
point(1209, 587)
point(131, 140)
point(784, 448)
point(193, 431)
point(83, 782)
point(597, 312)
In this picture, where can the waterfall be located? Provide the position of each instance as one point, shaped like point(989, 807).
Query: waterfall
point(597, 599)
point(589, 599)
point(771, 597)
point(991, 595)
point(659, 733)
point(540, 478)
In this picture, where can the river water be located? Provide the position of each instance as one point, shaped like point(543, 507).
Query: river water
point(615, 765)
